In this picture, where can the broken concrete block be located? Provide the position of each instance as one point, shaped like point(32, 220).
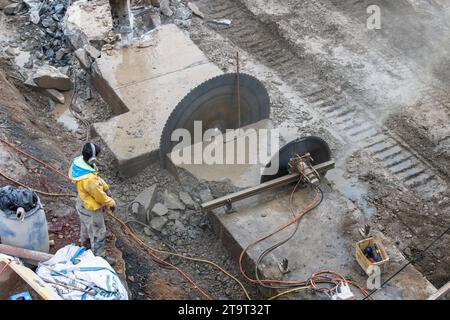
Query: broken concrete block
point(195, 10)
point(159, 209)
point(158, 223)
point(10, 9)
point(55, 95)
point(156, 3)
point(205, 195)
point(49, 77)
point(83, 58)
point(165, 8)
point(88, 22)
point(178, 226)
point(146, 199)
point(187, 200)
point(173, 215)
point(183, 13)
point(156, 19)
point(93, 52)
point(171, 201)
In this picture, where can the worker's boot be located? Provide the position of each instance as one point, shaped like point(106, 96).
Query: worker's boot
point(156, 3)
point(86, 244)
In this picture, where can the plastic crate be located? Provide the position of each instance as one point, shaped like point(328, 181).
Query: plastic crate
point(366, 263)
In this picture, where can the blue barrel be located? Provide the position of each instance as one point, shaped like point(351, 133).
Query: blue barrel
point(29, 231)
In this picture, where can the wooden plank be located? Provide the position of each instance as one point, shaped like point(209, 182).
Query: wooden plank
point(441, 292)
point(31, 278)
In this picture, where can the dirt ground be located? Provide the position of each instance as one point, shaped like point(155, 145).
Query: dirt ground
point(327, 75)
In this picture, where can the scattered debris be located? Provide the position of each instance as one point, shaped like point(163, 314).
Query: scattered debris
point(171, 201)
point(195, 10)
point(226, 22)
point(160, 210)
point(165, 8)
point(49, 77)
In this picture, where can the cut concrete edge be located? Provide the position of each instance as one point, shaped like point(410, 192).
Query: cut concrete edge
point(235, 248)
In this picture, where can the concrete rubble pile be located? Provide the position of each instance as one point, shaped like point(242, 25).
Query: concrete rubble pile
point(163, 213)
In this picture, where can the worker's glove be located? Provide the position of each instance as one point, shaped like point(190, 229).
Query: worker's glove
point(108, 193)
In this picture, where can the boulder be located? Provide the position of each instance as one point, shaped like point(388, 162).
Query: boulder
point(49, 77)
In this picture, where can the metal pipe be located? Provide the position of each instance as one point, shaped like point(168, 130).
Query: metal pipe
point(33, 257)
point(275, 183)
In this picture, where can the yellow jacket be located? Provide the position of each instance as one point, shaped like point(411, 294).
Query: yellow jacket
point(91, 188)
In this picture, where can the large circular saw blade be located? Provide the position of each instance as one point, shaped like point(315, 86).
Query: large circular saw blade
point(214, 103)
point(315, 146)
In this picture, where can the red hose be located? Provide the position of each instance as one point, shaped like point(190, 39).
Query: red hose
point(34, 158)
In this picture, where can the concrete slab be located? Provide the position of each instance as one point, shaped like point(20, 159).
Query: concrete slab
point(256, 145)
point(325, 240)
point(143, 86)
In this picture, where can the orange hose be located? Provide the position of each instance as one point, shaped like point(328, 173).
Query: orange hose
point(139, 241)
point(34, 158)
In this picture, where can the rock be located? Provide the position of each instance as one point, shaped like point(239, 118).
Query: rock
point(148, 232)
point(183, 13)
point(88, 22)
point(11, 52)
point(205, 195)
point(195, 10)
point(171, 201)
point(173, 215)
point(187, 200)
point(83, 58)
point(184, 24)
point(158, 223)
point(156, 19)
point(55, 95)
point(10, 9)
point(59, 8)
point(4, 3)
point(156, 3)
point(160, 210)
point(93, 52)
point(178, 226)
point(49, 77)
point(165, 8)
point(144, 202)
point(60, 54)
point(48, 22)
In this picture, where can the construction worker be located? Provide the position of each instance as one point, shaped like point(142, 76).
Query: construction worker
point(94, 198)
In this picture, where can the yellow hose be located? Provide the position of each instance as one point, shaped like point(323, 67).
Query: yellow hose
point(136, 238)
point(289, 291)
